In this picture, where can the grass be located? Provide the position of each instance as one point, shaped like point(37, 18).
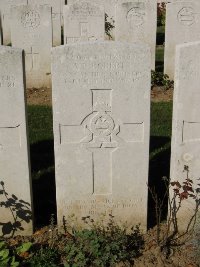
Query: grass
point(159, 59)
point(40, 124)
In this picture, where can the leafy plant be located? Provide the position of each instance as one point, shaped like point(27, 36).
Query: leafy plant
point(181, 192)
point(13, 257)
point(19, 209)
point(45, 257)
point(103, 246)
point(160, 79)
point(109, 26)
point(161, 11)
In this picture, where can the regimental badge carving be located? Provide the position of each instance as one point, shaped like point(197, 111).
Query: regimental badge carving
point(30, 19)
point(186, 16)
point(99, 125)
point(102, 135)
point(135, 16)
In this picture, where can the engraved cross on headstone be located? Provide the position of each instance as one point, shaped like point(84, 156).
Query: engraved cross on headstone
point(101, 138)
point(32, 55)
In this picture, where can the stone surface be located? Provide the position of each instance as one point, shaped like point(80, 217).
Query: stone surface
point(31, 29)
point(14, 156)
point(136, 21)
point(5, 6)
point(182, 26)
point(101, 100)
point(83, 21)
point(57, 6)
point(109, 7)
point(185, 149)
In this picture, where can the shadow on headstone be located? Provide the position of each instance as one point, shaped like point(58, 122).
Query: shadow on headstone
point(159, 167)
point(19, 209)
point(43, 175)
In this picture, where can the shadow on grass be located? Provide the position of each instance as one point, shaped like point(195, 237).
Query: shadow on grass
point(43, 175)
point(159, 66)
point(159, 167)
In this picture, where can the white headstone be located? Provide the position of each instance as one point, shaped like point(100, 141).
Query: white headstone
point(31, 29)
point(57, 6)
point(101, 100)
point(137, 22)
point(182, 26)
point(5, 6)
point(109, 8)
point(185, 149)
point(14, 156)
point(83, 21)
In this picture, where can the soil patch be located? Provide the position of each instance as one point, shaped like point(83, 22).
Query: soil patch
point(43, 96)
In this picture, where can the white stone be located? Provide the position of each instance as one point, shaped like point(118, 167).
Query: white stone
point(83, 21)
point(109, 7)
point(185, 150)
point(14, 156)
point(5, 6)
point(137, 22)
point(31, 29)
point(182, 26)
point(101, 100)
point(57, 6)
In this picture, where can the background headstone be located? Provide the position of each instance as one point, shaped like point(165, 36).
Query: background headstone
point(14, 156)
point(136, 21)
point(109, 7)
point(101, 100)
point(5, 6)
point(31, 29)
point(185, 150)
point(57, 6)
point(182, 26)
point(83, 21)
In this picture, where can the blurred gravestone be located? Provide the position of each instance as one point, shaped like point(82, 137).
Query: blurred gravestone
point(83, 21)
point(136, 21)
point(101, 99)
point(5, 6)
point(182, 26)
point(185, 149)
point(31, 29)
point(14, 156)
point(57, 6)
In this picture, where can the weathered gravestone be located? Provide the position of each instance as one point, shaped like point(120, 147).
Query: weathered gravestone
point(31, 29)
point(109, 7)
point(83, 21)
point(15, 207)
point(57, 6)
point(101, 100)
point(185, 149)
point(137, 22)
point(5, 6)
point(182, 26)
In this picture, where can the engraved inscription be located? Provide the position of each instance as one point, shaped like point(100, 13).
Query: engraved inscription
point(84, 31)
point(30, 19)
point(190, 132)
point(93, 70)
point(84, 10)
point(186, 16)
point(136, 16)
point(94, 207)
point(7, 81)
